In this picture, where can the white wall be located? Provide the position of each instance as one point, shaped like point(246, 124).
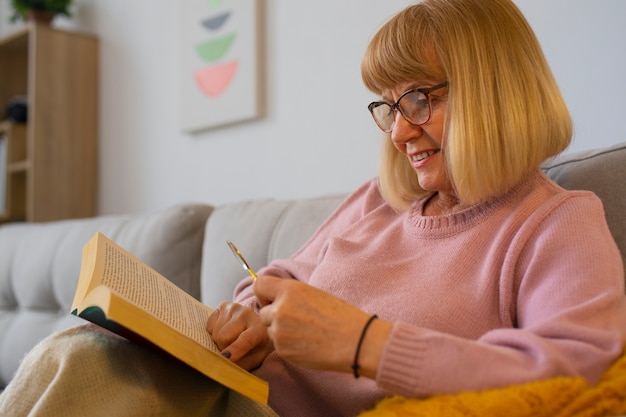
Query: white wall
point(317, 136)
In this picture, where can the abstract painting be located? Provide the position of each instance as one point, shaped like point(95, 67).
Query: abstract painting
point(220, 62)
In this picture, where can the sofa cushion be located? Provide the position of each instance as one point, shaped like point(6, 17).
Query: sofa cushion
point(602, 171)
point(40, 263)
point(263, 230)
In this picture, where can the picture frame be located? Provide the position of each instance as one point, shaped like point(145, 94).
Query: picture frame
point(220, 77)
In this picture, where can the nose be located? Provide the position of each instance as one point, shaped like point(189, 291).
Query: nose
point(403, 131)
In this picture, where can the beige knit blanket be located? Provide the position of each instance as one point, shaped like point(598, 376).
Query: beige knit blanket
point(87, 371)
point(558, 397)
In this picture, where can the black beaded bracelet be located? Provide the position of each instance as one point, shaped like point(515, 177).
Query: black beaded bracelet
point(355, 364)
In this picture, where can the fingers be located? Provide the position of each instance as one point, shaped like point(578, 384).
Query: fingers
point(250, 347)
point(275, 294)
point(266, 289)
point(218, 320)
point(213, 318)
point(226, 323)
point(239, 334)
point(246, 342)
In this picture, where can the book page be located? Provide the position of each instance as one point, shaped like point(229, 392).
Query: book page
point(118, 291)
point(152, 292)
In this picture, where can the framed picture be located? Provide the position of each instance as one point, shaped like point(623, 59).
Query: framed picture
point(220, 63)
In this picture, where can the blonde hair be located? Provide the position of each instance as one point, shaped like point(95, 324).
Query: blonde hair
point(505, 113)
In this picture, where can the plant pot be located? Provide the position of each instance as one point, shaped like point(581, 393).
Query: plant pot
point(40, 17)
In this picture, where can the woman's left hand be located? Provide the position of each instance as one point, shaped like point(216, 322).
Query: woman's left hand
point(314, 329)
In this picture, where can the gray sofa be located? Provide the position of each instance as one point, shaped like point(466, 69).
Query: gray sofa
point(39, 263)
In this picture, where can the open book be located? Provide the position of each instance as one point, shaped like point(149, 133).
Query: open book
point(119, 292)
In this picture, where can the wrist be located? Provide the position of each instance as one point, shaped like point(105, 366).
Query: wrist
point(372, 345)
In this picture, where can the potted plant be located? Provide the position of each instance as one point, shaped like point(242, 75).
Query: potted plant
point(39, 10)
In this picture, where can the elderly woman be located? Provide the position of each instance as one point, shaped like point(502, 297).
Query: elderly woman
point(462, 267)
point(483, 273)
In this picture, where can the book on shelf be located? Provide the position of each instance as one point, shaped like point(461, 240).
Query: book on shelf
point(119, 292)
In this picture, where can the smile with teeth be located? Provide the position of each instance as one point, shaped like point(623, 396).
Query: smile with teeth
point(423, 155)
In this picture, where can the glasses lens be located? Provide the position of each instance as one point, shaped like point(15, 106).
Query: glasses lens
point(415, 107)
point(383, 115)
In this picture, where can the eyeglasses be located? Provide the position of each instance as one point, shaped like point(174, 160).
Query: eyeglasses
point(413, 105)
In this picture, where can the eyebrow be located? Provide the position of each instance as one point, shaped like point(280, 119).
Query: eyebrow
point(414, 86)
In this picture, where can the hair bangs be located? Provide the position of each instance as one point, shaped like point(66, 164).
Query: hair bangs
point(403, 50)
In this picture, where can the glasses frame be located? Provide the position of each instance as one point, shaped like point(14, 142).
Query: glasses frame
point(396, 106)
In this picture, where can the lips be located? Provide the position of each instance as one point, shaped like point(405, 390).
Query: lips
point(423, 155)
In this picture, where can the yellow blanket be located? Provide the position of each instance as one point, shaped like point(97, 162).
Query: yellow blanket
point(558, 397)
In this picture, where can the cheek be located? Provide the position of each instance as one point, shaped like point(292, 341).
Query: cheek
point(436, 130)
point(400, 147)
point(435, 133)
point(436, 126)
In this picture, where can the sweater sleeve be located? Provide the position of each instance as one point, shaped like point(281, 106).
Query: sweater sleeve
point(568, 314)
point(302, 263)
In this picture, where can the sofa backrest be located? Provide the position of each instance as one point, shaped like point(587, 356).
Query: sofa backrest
point(602, 171)
point(269, 229)
point(40, 263)
point(263, 230)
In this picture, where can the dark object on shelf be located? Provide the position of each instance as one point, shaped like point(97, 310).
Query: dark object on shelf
point(17, 110)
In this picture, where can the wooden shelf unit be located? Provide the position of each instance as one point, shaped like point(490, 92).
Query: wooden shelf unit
point(51, 169)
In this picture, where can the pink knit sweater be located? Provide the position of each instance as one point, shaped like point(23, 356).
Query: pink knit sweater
point(524, 287)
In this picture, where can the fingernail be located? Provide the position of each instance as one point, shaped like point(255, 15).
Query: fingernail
point(226, 354)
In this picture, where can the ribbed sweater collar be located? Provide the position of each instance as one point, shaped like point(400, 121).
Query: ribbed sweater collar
point(450, 224)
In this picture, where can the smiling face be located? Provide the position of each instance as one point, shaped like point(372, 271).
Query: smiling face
point(496, 132)
point(423, 144)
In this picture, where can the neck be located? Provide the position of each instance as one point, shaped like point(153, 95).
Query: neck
point(441, 204)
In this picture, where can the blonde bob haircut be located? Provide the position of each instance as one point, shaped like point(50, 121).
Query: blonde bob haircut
point(505, 113)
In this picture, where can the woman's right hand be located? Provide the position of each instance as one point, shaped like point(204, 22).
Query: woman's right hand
point(239, 334)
